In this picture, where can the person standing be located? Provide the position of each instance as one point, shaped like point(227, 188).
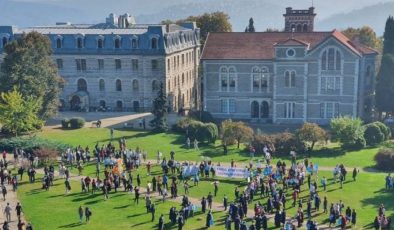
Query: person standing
point(195, 144)
point(225, 202)
point(209, 199)
point(209, 219)
point(80, 213)
point(88, 213)
point(153, 211)
point(7, 212)
point(203, 204)
point(161, 222)
point(67, 185)
point(354, 218)
point(4, 191)
point(18, 210)
point(216, 187)
point(111, 132)
point(354, 174)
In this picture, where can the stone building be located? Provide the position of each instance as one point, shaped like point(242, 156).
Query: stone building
point(293, 76)
point(119, 65)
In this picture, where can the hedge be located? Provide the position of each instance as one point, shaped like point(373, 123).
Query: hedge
point(30, 144)
point(373, 134)
point(385, 159)
point(77, 122)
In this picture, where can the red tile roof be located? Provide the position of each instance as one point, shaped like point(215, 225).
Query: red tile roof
point(261, 45)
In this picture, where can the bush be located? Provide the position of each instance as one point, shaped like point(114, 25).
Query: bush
point(236, 132)
point(259, 141)
point(349, 131)
point(182, 124)
point(286, 142)
point(30, 144)
point(385, 159)
point(385, 130)
point(373, 134)
point(203, 116)
point(311, 133)
point(46, 155)
point(77, 122)
point(211, 132)
point(65, 123)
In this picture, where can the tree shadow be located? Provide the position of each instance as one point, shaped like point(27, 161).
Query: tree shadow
point(73, 225)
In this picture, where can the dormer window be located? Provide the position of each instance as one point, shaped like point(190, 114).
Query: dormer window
point(154, 43)
point(58, 43)
point(80, 42)
point(117, 43)
point(100, 43)
point(134, 43)
point(290, 53)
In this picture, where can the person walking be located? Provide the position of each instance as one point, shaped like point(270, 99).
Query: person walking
point(354, 174)
point(161, 222)
point(209, 219)
point(354, 218)
point(153, 211)
point(7, 212)
point(4, 191)
point(80, 213)
point(88, 213)
point(18, 210)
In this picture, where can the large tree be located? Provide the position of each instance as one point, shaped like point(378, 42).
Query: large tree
point(208, 22)
point(250, 28)
point(19, 114)
point(28, 65)
point(160, 110)
point(311, 133)
point(235, 132)
point(385, 85)
point(365, 35)
point(388, 37)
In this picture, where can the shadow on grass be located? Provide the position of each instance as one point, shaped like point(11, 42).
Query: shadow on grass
point(73, 225)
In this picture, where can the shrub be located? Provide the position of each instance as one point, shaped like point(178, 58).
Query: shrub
point(259, 141)
point(236, 132)
point(373, 134)
point(65, 123)
point(182, 124)
point(286, 142)
point(46, 155)
point(203, 116)
point(348, 131)
point(211, 132)
point(311, 133)
point(385, 159)
point(77, 122)
point(30, 144)
point(385, 129)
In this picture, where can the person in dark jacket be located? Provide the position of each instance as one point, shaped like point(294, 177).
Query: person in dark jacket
point(161, 222)
point(209, 219)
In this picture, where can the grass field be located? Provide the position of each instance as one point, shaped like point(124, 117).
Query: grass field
point(54, 210)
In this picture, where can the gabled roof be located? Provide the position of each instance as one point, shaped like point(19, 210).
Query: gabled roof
point(261, 45)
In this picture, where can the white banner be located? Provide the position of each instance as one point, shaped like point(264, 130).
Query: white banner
point(231, 172)
point(188, 171)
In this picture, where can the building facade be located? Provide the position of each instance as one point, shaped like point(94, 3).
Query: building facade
point(287, 77)
point(119, 65)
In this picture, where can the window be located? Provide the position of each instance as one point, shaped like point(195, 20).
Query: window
point(228, 78)
point(329, 110)
point(118, 64)
point(58, 43)
point(101, 85)
point(81, 64)
point(331, 59)
point(183, 60)
point(59, 63)
point(168, 65)
point(100, 43)
point(154, 43)
point(330, 84)
point(80, 43)
point(228, 105)
point(155, 64)
point(135, 85)
point(155, 85)
point(290, 52)
point(82, 85)
point(290, 79)
point(289, 110)
point(260, 79)
point(4, 41)
point(100, 63)
point(118, 85)
point(117, 43)
point(119, 106)
point(183, 79)
point(134, 43)
point(134, 64)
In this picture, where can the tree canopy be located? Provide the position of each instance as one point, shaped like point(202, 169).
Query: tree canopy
point(349, 131)
point(385, 85)
point(28, 65)
point(160, 110)
point(388, 37)
point(312, 133)
point(19, 114)
point(236, 131)
point(365, 35)
point(250, 28)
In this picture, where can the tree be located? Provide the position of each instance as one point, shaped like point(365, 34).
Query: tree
point(18, 114)
point(250, 28)
point(365, 35)
point(236, 131)
point(311, 133)
point(28, 65)
point(349, 131)
point(388, 37)
point(208, 23)
point(385, 85)
point(160, 110)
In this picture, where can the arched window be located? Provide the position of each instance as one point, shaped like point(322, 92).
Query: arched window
point(254, 109)
point(134, 43)
point(228, 79)
point(155, 85)
point(100, 43)
point(264, 109)
point(79, 43)
point(331, 59)
point(305, 28)
point(82, 85)
point(118, 85)
point(293, 27)
point(154, 43)
point(4, 41)
point(101, 85)
point(168, 65)
point(117, 43)
point(290, 79)
point(102, 103)
point(119, 105)
point(299, 28)
point(260, 79)
point(135, 85)
point(58, 43)
point(183, 79)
